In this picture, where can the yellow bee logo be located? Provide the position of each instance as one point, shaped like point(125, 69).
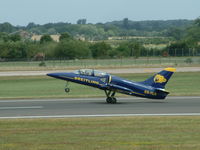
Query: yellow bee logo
point(159, 79)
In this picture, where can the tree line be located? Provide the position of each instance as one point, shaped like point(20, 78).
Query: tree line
point(13, 46)
point(101, 31)
point(187, 42)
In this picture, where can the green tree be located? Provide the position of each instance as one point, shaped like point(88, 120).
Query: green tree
point(64, 36)
point(7, 27)
point(4, 37)
point(126, 23)
point(176, 33)
point(123, 50)
point(45, 38)
point(72, 49)
point(193, 34)
point(33, 48)
point(100, 50)
point(15, 37)
point(81, 21)
point(135, 49)
point(13, 50)
point(197, 21)
point(180, 48)
point(4, 49)
point(31, 25)
point(130, 48)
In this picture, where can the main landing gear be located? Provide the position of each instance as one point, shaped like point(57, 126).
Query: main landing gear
point(67, 90)
point(110, 97)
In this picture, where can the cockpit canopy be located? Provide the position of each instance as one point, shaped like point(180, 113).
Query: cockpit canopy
point(91, 72)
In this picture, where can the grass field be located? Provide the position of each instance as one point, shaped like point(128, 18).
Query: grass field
point(46, 87)
point(127, 133)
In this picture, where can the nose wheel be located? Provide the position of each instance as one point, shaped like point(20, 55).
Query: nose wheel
point(67, 90)
point(110, 97)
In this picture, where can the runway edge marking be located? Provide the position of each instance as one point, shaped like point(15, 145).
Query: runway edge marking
point(99, 115)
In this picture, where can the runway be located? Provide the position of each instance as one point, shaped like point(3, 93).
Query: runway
point(112, 71)
point(97, 107)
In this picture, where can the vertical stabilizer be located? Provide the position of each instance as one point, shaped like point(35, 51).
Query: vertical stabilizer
point(159, 80)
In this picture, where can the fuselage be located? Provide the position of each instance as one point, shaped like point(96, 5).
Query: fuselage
point(112, 83)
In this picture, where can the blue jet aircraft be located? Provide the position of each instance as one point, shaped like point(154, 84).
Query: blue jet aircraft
point(153, 88)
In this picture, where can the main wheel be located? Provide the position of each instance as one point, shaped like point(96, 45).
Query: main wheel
point(67, 90)
point(114, 100)
point(111, 100)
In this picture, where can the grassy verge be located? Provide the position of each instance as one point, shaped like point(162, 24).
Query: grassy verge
point(45, 87)
point(138, 133)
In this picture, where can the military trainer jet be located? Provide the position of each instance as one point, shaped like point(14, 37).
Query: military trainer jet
point(153, 88)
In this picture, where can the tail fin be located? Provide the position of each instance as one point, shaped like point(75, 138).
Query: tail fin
point(159, 80)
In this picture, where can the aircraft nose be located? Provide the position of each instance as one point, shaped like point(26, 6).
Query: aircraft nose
point(60, 75)
point(53, 74)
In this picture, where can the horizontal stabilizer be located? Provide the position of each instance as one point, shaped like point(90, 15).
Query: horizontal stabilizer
point(161, 93)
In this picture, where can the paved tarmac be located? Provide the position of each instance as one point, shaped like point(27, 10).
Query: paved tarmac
point(96, 107)
point(112, 71)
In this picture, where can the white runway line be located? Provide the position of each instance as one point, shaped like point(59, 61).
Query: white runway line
point(28, 107)
point(99, 115)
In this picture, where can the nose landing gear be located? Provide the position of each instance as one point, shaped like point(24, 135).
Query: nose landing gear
point(67, 90)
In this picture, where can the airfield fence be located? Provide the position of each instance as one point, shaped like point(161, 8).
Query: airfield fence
point(83, 63)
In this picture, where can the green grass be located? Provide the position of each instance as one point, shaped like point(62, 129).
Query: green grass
point(47, 87)
point(127, 133)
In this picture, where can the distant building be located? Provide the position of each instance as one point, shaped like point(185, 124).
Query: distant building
point(38, 37)
point(56, 37)
point(133, 37)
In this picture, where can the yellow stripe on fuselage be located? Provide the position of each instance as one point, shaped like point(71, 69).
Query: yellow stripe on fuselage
point(137, 93)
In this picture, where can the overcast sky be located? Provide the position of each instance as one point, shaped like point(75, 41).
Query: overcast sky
point(21, 12)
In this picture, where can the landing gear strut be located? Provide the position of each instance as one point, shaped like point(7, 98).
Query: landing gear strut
point(110, 97)
point(67, 90)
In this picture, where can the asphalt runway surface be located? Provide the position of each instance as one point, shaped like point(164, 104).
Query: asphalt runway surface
point(97, 107)
point(112, 71)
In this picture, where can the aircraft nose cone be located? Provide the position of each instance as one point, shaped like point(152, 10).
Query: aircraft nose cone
point(52, 74)
point(61, 75)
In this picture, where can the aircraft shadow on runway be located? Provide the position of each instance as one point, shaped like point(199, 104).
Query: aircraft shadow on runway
point(129, 102)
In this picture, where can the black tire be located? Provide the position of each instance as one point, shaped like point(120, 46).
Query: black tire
point(109, 100)
point(114, 100)
point(67, 90)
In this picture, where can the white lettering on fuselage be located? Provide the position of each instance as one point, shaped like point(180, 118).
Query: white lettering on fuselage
point(86, 80)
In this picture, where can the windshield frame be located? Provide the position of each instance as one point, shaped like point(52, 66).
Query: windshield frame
point(91, 72)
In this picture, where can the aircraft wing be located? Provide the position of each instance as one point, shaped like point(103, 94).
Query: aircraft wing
point(118, 88)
